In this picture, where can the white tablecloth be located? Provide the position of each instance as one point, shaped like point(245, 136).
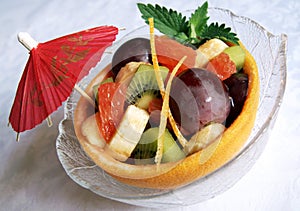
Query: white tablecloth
point(32, 178)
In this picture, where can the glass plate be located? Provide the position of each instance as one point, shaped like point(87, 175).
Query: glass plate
point(269, 52)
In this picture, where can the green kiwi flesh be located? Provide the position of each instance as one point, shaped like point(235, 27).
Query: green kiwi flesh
point(237, 55)
point(143, 86)
point(145, 151)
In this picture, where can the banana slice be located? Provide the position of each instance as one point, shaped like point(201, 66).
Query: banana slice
point(209, 50)
point(128, 133)
point(204, 137)
point(91, 132)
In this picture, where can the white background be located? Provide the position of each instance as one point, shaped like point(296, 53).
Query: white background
point(31, 177)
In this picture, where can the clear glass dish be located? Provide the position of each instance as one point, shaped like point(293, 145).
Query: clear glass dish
point(269, 52)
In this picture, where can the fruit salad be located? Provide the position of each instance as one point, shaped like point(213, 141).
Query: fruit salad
point(166, 97)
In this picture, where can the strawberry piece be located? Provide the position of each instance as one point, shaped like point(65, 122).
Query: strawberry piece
point(111, 108)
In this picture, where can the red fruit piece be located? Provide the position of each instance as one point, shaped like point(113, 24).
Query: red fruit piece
point(154, 110)
point(169, 52)
point(111, 108)
point(222, 66)
point(155, 104)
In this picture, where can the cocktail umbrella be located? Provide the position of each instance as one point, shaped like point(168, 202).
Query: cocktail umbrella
point(52, 71)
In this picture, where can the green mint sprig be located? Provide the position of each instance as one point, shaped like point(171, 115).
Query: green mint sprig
point(193, 31)
point(198, 22)
point(168, 22)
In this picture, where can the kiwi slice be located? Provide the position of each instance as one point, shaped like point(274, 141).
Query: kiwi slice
point(145, 151)
point(172, 152)
point(143, 86)
point(237, 55)
point(145, 99)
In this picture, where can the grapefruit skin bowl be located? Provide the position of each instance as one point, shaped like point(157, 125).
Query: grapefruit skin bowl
point(231, 143)
point(189, 169)
point(269, 52)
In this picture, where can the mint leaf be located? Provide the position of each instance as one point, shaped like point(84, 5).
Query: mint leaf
point(194, 31)
point(198, 21)
point(168, 22)
point(214, 30)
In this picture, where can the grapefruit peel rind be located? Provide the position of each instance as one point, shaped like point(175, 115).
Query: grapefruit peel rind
point(186, 171)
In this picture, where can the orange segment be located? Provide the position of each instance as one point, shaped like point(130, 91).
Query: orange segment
point(169, 57)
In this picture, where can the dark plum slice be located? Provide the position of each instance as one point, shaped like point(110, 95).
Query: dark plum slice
point(134, 50)
point(198, 97)
point(238, 90)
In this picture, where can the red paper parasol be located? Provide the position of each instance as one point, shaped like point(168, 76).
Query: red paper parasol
point(52, 71)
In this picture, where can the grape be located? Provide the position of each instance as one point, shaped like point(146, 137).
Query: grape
point(137, 50)
point(238, 89)
point(198, 97)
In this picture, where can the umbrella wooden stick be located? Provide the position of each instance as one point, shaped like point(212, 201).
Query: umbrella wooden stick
point(84, 94)
point(28, 42)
